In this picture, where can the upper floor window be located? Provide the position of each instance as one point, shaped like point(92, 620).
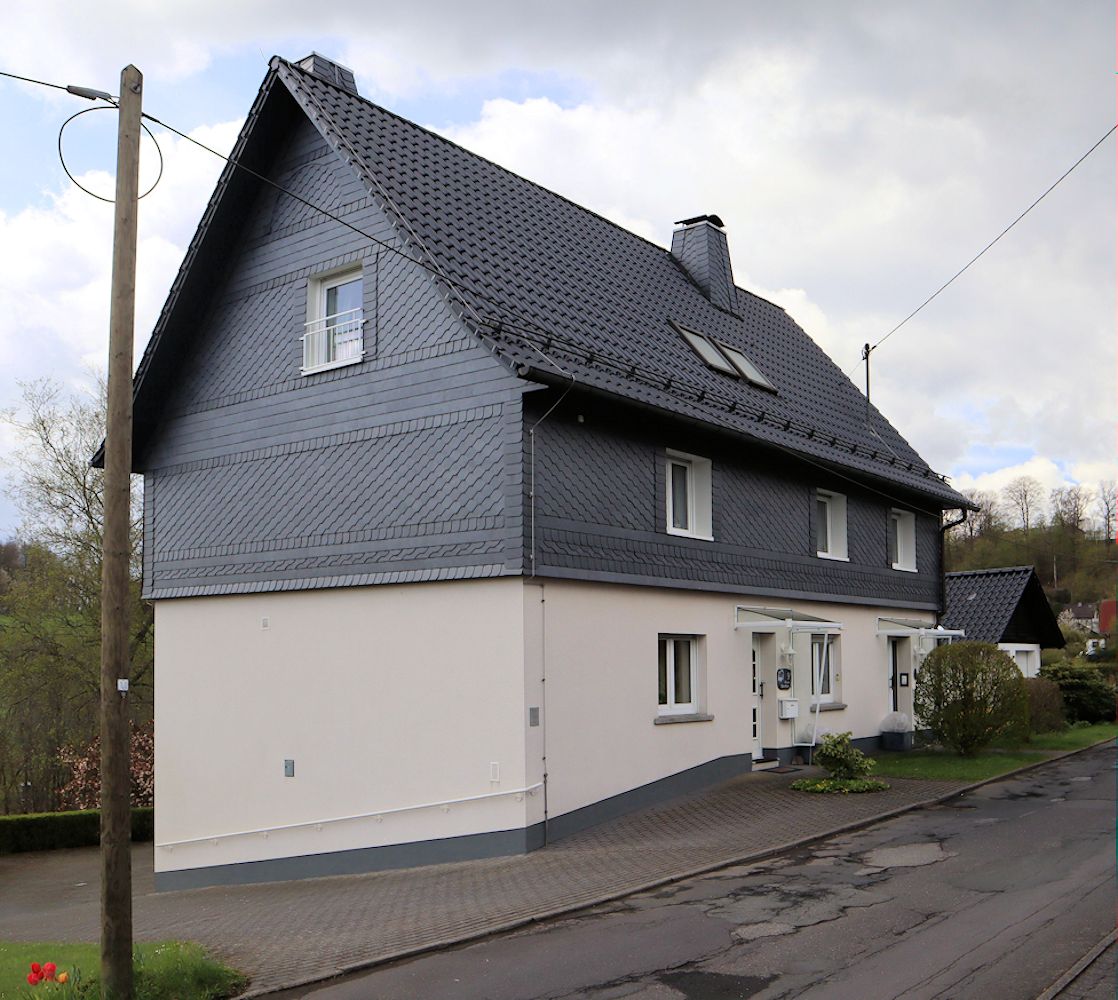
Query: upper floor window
point(830, 525)
point(687, 480)
point(335, 321)
point(902, 540)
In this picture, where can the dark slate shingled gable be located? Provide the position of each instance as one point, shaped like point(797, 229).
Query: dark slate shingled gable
point(1001, 605)
point(536, 272)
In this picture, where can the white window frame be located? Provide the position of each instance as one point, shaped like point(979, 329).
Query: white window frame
point(905, 554)
point(666, 645)
point(699, 514)
point(826, 671)
point(835, 520)
point(318, 325)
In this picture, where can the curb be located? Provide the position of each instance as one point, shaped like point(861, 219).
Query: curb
point(609, 897)
point(1079, 968)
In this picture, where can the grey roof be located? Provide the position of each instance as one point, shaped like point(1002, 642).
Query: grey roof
point(1001, 605)
point(560, 292)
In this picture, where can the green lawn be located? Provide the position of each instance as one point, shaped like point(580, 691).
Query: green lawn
point(168, 970)
point(1074, 739)
point(948, 766)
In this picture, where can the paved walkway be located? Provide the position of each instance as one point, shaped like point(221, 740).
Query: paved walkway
point(285, 934)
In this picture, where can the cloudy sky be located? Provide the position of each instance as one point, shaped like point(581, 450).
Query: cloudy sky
point(859, 153)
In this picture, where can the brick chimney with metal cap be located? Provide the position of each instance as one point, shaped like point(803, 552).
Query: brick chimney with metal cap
point(330, 71)
point(700, 246)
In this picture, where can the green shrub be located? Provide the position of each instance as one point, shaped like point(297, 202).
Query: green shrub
point(51, 831)
point(1087, 695)
point(839, 786)
point(1046, 706)
point(839, 758)
point(969, 694)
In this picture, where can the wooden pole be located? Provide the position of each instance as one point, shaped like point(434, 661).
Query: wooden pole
point(116, 813)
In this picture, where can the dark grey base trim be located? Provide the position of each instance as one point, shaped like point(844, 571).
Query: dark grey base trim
point(365, 859)
point(787, 755)
point(691, 780)
point(467, 848)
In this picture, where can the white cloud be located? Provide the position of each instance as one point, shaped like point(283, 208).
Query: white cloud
point(858, 153)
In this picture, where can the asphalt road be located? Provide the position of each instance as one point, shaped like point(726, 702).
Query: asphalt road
point(993, 896)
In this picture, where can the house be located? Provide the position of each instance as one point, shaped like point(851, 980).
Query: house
point(1084, 617)
point(472, 519)
point(1005, 606)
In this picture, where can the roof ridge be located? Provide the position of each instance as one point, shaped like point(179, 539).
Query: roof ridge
point(493, 163)
point(992, 570)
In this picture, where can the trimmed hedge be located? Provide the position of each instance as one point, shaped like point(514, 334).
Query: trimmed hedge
point(51, 831)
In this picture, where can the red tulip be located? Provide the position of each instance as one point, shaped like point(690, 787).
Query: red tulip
point(48, 970)
point(36, 968)
point(33, 978)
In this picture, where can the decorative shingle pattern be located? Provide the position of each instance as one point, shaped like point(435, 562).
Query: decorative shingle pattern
point(597, 298)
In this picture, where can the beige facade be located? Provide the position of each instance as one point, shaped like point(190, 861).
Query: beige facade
point(421, 712)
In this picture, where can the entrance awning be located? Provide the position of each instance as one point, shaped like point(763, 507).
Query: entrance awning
point(901, 627)
point(772, 619)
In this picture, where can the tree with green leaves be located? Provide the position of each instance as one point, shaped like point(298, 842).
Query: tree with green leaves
point(50, 628)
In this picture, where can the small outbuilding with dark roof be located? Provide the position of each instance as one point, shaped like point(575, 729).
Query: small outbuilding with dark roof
point(1006, 606)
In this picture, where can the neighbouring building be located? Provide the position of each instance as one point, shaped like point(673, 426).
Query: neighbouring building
point(1005, 606)
point(472, 518)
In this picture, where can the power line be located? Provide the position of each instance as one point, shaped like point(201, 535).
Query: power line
point(532, 332)
point(87, 92)
point(499, 326)
point(989, 245)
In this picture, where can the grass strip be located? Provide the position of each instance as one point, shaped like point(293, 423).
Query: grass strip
point(165, 970)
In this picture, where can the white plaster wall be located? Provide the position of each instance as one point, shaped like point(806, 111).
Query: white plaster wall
point(384, 696)
point(1025, 654)
point(861, 673)
point(598, 650)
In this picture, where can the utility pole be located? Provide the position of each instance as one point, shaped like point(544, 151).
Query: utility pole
point(116, 813)
point(866, 350)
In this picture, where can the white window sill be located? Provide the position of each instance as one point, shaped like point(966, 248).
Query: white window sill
point(828, 706)
point(679, 533)
point(333, 364)
point(905, 569)
point(827, 555)
point(668, 720)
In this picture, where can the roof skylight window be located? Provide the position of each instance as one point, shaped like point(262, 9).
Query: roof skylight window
point(724, 358)
point(747, 368)
point(707, 351)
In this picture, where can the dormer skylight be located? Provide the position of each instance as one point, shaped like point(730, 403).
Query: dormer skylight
point(724, 358)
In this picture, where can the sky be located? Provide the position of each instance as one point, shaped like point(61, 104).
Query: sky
point(860, 152)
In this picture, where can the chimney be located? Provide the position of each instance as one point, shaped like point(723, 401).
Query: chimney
point(700, 246)
point(330, 71)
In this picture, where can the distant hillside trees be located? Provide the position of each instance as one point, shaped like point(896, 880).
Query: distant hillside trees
point(1067, 537)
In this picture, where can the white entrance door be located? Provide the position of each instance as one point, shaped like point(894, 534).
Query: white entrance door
point(755, 698)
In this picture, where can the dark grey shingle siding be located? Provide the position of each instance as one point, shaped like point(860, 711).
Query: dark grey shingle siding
point(600, 514)
point(401, 467)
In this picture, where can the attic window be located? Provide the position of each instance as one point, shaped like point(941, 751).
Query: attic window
point(724, 358)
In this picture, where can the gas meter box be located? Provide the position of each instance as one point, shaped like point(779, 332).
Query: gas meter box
point(788, 708)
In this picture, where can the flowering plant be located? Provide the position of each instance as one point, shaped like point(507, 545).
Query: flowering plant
point(46, 972)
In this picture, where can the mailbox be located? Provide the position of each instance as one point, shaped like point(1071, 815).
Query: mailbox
point(788, 708)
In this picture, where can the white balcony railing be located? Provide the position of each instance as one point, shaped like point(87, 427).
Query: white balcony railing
point(333, 340)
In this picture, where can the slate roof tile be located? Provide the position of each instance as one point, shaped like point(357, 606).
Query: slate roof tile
point(598, 298)
point(530, 265)
point(985, 603)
